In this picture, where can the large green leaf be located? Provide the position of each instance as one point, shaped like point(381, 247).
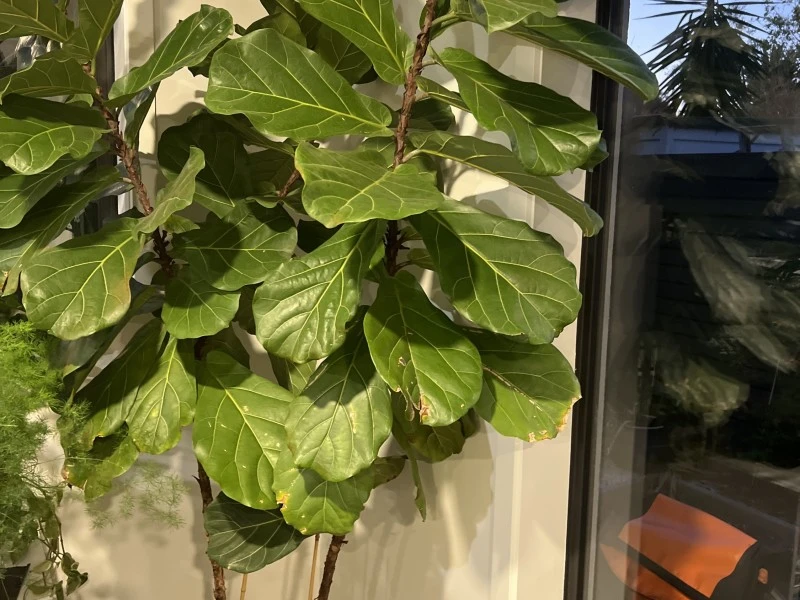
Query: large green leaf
point(176, 195)
point(499, 161)
point(187, 45)
point(246, 540)
point(35, 133)
point(500, 273)
point(35, 17)
point(20, 193)
point(438, 92)
point(420, 352)
point(240, 249)
point(528, 391)
point(110, 395)
point(433, 443)
point(109, 458)
point(54, 74)
point(549, 132)
point(287, 90)
point(313, 505)
point(135, 113)
point(225, 181)
point(497, 15)
point(194, 309)
point(303, 307)
point(238, 432)
point(96, 20)
point(592, 45)
point(283, 23)
point(82, 286)
point(166, 399)
point(344, 415)
point(372, 26)
point(47, 221)
point(350, 187)
point(270, 169)
point(342, 54)
point(291, 376)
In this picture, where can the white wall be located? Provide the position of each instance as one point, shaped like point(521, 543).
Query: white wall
point(497, 514)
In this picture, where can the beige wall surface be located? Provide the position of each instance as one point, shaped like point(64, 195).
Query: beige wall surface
point(497, 513)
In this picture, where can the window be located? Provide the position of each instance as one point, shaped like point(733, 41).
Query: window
point(686, 468)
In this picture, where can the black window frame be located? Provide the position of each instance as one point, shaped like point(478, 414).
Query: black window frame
point(595, 278)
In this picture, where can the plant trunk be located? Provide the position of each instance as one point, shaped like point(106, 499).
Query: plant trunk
point(208, 497)
point(330, 567)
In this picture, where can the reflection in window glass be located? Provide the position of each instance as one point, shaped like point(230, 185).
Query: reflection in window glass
point(698, 475)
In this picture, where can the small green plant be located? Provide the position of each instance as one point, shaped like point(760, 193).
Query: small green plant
point(28, 500)
point(295, 230)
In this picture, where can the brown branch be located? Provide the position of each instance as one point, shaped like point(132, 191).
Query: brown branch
point(330, 567)
point(208, 497)
point(129, 157)
point(410, 96)
point(287, 187)
point(392, 240)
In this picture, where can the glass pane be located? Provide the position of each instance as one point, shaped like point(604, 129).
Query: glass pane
point(697, 474)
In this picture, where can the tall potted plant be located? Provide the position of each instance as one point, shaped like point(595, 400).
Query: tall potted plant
point(293, 231)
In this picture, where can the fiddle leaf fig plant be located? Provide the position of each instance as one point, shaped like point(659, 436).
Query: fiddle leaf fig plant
point(321, 208)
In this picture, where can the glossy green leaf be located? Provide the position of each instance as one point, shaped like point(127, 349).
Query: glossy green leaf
point(432, 113)
point(54, 74)
point(270, 169)
point(35, 133)
point(143, 298)
point(528, 391)
point(356, 186)
point(313, 505)
point(499, 161)
point(435, 444)
point(96, 20)
point(246, 540)
point(304, 305)
point(438, 92)
point(497, 15)
point(166, 399)
point(550, 133)
point(35, 17)
point(420, 352)
point(239, 249)
point(287, 90)
point(20, 193)
point(342, 54)
point(82, 286)
point(421, 258)
point(419, 499)
point(372, 26)
point(136, 112)
point(225, 181)
point(176, 195)
point(283, 23)
point(194, 309)
point(187, 45)
point(344, 415)
point(387, 469)
point(238, 432)
point(109, 458)
point(48, 219)
point(227, 342)
point(500, 273)
point(291, 376)
point(594, 46)
point(110, 395)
